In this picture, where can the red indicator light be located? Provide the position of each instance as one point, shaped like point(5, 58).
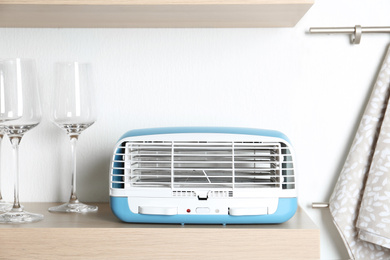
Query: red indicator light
point(188, 210)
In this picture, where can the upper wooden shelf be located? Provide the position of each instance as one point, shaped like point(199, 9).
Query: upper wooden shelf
point(152, 13)
point(102, 236)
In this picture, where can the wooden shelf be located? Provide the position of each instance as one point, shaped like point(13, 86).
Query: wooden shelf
point(102, 236)
point(152, 13)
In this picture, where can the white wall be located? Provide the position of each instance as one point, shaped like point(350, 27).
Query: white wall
point(311, 87)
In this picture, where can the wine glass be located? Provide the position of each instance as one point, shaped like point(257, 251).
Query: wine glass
point(73, 110)
point(20, 74)
point(8, 96)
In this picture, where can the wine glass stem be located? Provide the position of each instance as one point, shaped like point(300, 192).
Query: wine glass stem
point(1, 139)
point(73, 142)
point(15, 148)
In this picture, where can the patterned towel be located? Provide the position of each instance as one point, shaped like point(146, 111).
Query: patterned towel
point(374, 215)
point(361, 198)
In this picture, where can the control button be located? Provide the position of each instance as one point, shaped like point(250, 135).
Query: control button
point(202, 210)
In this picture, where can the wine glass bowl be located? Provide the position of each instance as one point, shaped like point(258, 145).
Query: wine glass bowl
point(10, 93)
point(73, 110)
point(74, 129)
point(24, 105)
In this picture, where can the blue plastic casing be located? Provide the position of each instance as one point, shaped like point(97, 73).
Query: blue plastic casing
point(216, 130)
point(286, 206)
point(286, 209)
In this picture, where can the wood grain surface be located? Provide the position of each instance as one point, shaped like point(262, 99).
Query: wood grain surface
point(152, 13)
point(102, 236)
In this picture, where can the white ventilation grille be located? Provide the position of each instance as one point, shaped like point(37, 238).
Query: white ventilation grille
point(185, 166)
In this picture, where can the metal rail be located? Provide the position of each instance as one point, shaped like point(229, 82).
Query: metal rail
point(356, 32)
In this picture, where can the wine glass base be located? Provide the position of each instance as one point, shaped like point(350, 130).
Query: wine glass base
point(5, 206)
point(77, 207)
point(19, 216)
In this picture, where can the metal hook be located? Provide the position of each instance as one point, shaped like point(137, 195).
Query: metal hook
point(357, 36)
point(316, 205)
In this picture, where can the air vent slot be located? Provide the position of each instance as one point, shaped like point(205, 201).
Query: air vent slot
point(181, 193)
point(220, 194)
point(287, 168)
point(118, 167)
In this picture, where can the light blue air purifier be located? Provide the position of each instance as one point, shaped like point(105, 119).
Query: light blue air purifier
point(203, 175)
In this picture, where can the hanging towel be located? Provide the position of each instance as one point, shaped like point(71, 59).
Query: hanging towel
point(374, 216)
point(351, 210)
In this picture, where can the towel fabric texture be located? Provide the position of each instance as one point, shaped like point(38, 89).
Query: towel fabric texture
point(360, 202)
